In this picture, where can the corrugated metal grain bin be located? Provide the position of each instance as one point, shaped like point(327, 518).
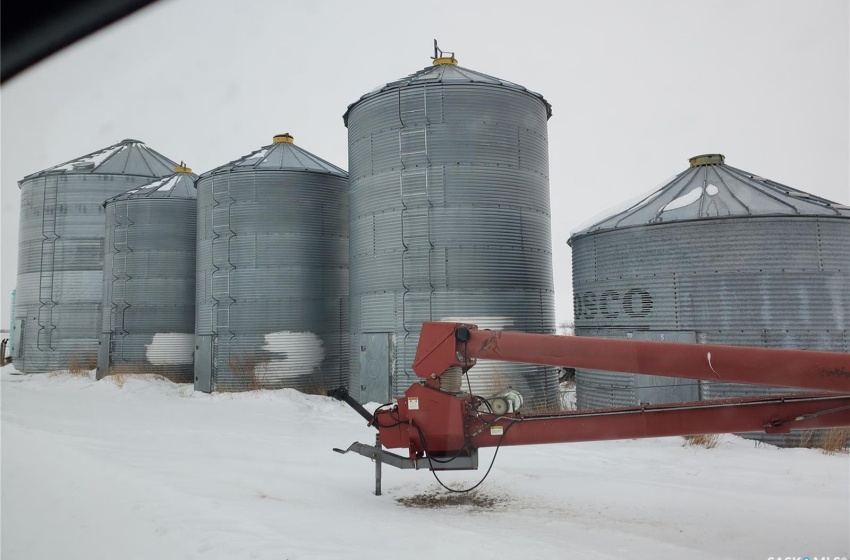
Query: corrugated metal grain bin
point(716, 256)
point(450, 220)
point(148, 303)
point(272, 272)
point(60, 253)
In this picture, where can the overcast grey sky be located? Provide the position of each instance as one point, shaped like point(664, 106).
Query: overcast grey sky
point(636, 88)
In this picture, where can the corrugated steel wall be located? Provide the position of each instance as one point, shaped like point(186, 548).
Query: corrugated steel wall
point(450, 219)
point(149, 287)
point(777, 282)
point(60, 267)
point(272, 280)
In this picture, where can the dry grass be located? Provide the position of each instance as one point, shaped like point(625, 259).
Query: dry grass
point(542, 405)
point(830, 442)
point(708, 441)
point(244, 369)
point(251, 372)
point(498, 379)
point(550, 403)
point(315, 387)
point(567, 395)
point(808, 439)
point(81, 364)
point(835, 440)
point(498, 382)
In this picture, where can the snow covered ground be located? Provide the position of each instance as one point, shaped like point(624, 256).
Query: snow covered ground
point(149, 469)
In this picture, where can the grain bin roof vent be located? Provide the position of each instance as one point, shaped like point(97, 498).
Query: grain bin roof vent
point(128, 157)
point(281, 155)
point(707, 159)
point(181, 184)
point(444, 70)
point(711, 189)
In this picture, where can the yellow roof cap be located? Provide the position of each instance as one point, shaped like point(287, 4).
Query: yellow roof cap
point(707, 159)
point(445, 60)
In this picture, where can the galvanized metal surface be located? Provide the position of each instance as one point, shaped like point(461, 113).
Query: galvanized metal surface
point(180, 185)
point(148, 301)
point(127, 157)
point(376, 351)
point(446, 73)
point(450, 220)
point(272, 273)
point(772, 281)
point(60, 253)
point(709, 189)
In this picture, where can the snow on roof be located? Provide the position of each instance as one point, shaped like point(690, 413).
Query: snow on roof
point(258, 155)
point(91, 161)
point(128, 157)
point(279, 156)
point(712, 190)
point(175, 186)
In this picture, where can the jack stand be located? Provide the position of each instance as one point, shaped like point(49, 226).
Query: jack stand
point(377, 466)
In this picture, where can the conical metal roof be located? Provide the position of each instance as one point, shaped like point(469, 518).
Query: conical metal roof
point(281, 155)
point(711, 189)
point(128, 157)
point(448, 73)
point(178, 185)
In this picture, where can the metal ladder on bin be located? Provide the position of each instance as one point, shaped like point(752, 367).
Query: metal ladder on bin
point(49, 209)
point(118, 296)
point(417, 298)
point(222, 267)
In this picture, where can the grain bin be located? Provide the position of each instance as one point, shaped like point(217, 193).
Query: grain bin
point(148, 304)
point(272, 272)
point(716, 256)
point(450, 220)
point(60, 253)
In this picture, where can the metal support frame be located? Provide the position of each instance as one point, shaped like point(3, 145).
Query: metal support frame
point(378, 466)
point(435, 462)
